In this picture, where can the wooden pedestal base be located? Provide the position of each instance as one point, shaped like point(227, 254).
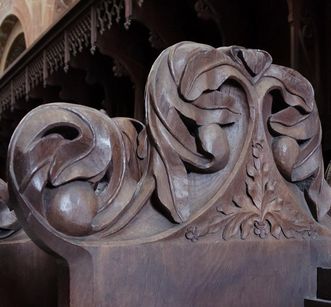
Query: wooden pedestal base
point(28, 276)
point(234, 273)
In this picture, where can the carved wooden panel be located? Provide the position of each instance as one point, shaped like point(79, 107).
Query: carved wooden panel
point(230, 151)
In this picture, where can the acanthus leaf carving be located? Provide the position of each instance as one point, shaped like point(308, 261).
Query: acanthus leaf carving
point(66, 165)
point(299, 125)
point(231, 145)
point(187, 124)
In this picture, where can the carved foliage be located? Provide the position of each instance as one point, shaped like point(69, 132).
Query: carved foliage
point(192, 121)
point(297, 138)
point(261, 210)
point(211, 113)
point(80, 170)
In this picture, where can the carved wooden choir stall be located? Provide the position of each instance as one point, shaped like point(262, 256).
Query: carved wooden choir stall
point(221, 190)
point(216, 198)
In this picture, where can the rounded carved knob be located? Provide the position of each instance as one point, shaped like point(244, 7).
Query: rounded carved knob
point(72, 207)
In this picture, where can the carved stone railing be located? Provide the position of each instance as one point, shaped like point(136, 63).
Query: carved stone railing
point(230, 157)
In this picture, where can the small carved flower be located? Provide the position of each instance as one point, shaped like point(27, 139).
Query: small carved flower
point(261, 229)
point(192, 233)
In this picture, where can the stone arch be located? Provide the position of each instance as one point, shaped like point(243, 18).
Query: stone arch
point(12, 40)
point(16, 48)
point(22, 11)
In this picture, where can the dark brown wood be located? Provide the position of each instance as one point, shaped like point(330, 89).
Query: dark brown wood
point(28, 276)
point(219, 200)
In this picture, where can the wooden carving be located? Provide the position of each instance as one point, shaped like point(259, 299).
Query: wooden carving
point(8, 220)
point(231, 147)
point(230, 151)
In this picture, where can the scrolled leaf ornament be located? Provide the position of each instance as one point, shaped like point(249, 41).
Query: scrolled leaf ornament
point(231, 147)
point(286, 123)
point(297, 141)
point(197, 112)
point(78, 170)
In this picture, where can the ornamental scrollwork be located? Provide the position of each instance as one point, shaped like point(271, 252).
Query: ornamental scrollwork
point(82, 170)
point(231, 146)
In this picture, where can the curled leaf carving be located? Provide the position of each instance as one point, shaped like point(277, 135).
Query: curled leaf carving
point(192, 118)
point(297, 149)
point(81, 174)
point(64, 167)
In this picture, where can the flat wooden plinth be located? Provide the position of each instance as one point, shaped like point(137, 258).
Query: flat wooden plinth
point(204, 273)
point(28, 276)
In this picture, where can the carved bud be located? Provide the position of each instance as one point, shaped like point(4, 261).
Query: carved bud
point(72, 207)
point(286, 151)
